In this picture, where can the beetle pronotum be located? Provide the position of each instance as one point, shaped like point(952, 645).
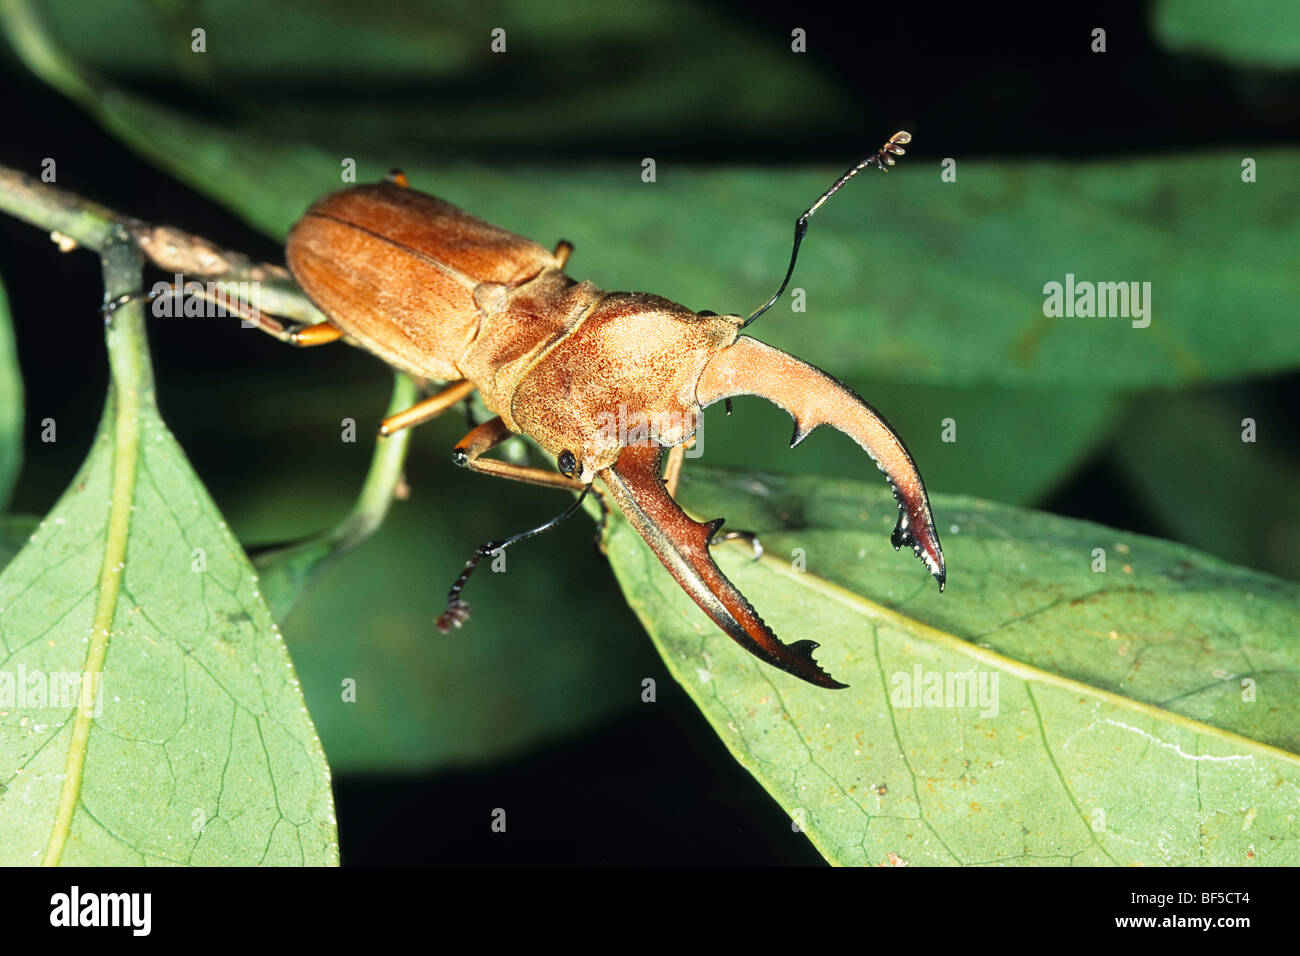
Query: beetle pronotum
point(440, 294)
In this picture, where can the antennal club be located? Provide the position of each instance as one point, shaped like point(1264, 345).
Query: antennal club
point(883, 157)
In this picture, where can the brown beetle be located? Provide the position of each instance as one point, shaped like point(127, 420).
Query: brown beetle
point(440, 294)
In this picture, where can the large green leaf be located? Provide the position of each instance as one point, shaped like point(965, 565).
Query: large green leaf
point(317, 68)
point(194, 745)
point(11, 406)
point(1170, 680)
point(1261, 33)
point(1186, 461)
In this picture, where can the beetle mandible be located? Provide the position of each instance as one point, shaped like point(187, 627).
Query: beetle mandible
point(442, 295)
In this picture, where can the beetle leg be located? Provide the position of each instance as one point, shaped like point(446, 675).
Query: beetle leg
point(682, 544)
point(603, 523)
point(426, 408)
point(672, 477)
point(673, 470)
point(322, 333)
point(749, 536)
point(563, 249)
point(303, 336)
point(813, 398)
point(468, 453)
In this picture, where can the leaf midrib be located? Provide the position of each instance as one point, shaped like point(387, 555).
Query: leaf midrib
point(126, 450)
point(1026, 672)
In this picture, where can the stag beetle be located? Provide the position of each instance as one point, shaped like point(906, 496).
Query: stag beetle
point(442, 295)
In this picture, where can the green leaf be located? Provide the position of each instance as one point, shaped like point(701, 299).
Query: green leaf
point(1238, 501)
point(318, 69)
point(1259, 34)
point(14, 532)
point(1169, 681)
point(192, 744)
point(11, 406)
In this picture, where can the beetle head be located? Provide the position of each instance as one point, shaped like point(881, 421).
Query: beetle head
point(625, 376)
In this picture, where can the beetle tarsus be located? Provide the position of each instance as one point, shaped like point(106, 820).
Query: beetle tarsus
point(749, 536)
point(109, 309)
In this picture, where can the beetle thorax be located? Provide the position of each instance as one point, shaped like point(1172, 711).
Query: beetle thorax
point(625, 374)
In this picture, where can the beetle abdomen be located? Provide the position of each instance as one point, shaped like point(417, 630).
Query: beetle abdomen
point(396, 269)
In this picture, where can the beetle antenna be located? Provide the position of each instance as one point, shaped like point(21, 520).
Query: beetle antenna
point(457, 611)
point(883, 157)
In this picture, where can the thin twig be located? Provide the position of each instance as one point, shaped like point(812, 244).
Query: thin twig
point(74, 221)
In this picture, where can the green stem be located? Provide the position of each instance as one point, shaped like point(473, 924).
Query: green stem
point(45, 207)
point(285, 572)
point(89, 224)
point(385, 471)
point(130, 389)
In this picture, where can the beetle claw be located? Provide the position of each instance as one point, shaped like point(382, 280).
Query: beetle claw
point(682, 544)
point(813, 398)
point(902, 535)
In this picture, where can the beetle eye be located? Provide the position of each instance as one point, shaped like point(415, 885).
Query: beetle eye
point(568, 464)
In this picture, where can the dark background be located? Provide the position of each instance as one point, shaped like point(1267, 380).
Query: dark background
point(654, 785)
